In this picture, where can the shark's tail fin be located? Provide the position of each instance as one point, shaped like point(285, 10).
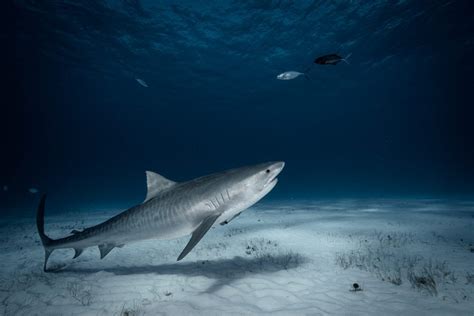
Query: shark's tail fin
point(346, 58)
point(40, 225)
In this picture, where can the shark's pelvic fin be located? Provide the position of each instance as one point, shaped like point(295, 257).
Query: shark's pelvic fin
point(228, 220)
point(105, 249)
point(198, 234)
point(77, 252)
point(155, 184)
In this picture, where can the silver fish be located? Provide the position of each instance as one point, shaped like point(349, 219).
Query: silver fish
point(142, 82)
point(289, 75)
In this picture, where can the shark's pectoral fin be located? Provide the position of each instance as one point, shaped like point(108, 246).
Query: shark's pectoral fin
point(105, 249)
point(77, 252)
point(198, 234)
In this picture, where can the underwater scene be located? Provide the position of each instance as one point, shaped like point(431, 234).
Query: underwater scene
point(254, 157)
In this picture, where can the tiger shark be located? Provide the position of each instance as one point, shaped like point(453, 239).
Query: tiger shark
point(172, 210)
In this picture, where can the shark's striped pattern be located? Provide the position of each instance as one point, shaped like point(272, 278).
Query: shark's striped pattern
point(172, 210)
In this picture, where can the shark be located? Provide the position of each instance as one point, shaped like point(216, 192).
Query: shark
point(172, 210)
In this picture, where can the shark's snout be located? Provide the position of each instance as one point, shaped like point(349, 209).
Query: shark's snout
point(273, 171)
point(279, 165)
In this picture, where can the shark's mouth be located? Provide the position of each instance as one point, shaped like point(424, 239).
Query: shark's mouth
point(273, 182)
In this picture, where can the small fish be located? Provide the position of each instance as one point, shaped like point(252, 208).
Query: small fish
point(5, 188)
point(289, 75)
point(331, 59)
point(142, 82)
point(33, 190)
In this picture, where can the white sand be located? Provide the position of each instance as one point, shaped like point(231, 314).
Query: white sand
point(281, 259)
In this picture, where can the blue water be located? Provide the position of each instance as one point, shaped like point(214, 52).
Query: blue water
point(395, 122)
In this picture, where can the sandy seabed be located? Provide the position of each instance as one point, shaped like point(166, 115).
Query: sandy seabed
point(409, 257)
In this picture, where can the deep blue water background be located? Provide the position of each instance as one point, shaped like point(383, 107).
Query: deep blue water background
point(396, 122)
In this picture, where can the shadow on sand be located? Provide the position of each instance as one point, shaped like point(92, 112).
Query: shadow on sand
point(224, 271)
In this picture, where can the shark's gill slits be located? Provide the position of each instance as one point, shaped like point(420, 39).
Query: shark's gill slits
point(168, 216)
point(222, 196)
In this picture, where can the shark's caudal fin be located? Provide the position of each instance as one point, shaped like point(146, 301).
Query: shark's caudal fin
point(198, 234)
point(40, 225)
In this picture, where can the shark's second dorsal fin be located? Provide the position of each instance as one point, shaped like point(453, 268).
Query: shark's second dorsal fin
point(155, 184)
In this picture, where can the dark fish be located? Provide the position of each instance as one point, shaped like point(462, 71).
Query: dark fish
point(331, 59)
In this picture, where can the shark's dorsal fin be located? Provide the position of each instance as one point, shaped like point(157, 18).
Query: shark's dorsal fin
point(198, 234)
point(155, 184)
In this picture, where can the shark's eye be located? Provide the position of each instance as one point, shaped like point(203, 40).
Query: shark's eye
point(268, 171)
